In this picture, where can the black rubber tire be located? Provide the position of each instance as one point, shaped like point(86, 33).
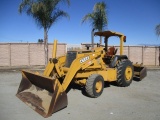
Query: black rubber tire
point(121, 77)
point(90, 86)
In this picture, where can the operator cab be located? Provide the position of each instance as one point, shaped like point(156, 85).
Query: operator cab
point(111, 52)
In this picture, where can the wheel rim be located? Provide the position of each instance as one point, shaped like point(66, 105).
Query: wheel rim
point(128, 73)
point(98, 86)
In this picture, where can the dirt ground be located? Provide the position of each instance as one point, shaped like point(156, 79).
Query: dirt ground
point(139, 101)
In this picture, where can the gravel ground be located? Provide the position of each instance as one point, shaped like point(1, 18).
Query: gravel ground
point(139, 101)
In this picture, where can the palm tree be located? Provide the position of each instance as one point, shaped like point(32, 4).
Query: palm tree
point(45, 13)
point(98, 17)
point(157, 30)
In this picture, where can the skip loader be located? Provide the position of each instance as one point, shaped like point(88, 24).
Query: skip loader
point(46, 93)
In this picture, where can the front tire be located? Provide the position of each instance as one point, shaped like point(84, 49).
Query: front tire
point(124, 73)
point(94, 85)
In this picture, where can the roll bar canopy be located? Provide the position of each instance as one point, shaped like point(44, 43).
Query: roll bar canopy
point(108, 34)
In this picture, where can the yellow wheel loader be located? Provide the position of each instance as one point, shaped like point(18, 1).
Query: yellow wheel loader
point(46, 93)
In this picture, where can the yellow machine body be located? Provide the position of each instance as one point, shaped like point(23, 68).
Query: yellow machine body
point(46, 93)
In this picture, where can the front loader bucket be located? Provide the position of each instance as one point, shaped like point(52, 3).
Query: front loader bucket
point(140, 72)
point(43, 94)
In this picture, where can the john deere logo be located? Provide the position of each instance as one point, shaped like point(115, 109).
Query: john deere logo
point(84, 59)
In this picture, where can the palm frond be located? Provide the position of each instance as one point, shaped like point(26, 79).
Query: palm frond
point(45, 12)
point(66, 1)
point(99, 6)
point(56, 16)
point(98, 18)
point(88, 17)
point(25, 6)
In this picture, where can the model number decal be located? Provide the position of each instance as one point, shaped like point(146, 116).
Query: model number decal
point(84, 59)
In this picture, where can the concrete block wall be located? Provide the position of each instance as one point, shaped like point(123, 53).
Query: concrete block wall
point(36, 54)
point(31, 54)
point(5, 55)
point(26, 54)
point(135, 54)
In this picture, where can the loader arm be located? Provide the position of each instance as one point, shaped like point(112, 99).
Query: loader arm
point(80, 63)
point(50, 64)
point(48, 69)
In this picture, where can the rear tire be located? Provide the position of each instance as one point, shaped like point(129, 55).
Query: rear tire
point(94, 85)
point(124, 73)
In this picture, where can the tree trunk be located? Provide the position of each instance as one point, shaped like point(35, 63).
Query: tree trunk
point(100, 42)
point(159, 56)
point(46, 46)
point(92, 38)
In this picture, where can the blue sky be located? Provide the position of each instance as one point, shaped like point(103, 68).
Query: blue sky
point(134, 18)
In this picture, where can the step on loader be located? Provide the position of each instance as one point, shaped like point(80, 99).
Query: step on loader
point(46, 93)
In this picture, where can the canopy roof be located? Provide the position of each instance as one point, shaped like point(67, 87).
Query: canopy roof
point(108, 34)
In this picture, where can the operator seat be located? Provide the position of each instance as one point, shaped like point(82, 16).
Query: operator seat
point(111, 51)
point(109, 54)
